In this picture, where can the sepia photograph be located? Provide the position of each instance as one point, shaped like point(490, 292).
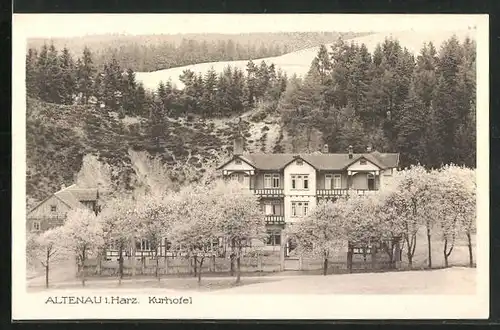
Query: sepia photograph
point(325, 166)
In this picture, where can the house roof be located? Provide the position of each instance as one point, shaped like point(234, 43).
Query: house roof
point(320, 161)
point(73, 196)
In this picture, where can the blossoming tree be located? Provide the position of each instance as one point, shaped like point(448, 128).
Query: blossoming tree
point(242, 221)
point(321, 232)
point(83, 234)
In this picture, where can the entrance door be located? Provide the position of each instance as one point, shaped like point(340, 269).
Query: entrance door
point(371, 181)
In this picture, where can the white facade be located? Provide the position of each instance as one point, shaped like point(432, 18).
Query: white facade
point(290, 193)
point(299, 189)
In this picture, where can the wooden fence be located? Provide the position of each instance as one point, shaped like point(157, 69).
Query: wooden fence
point(175, 265)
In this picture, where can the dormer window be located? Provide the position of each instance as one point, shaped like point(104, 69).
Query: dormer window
point(53, 208)
point(36, 225)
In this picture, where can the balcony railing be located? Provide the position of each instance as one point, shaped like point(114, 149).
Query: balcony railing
point(343, 192)
point(275, 220)
point(269, 192)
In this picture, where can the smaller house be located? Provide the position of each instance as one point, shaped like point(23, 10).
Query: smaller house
point(52, 211)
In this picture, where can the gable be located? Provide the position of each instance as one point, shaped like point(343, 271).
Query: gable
point(44, 209)
point(363, 164)
point(237, 164)
point(299, 166)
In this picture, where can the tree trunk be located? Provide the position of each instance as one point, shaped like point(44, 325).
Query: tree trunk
point(47, 269)
point(134, 261)
point(231, 264)
point(325, 266)
point(429, 246)
point(471, 260)
point(195, 259)
point(445, 254)
point(238, 269)
point(349, 259)
point(120, 264)
point(410, 260)
point(199, 270)
point(157, 270)
point(83, 266)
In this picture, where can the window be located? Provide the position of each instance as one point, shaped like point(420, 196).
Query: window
point(300, 182)
point(271, 180)
point(328, 181)
point(337, 181)
point(388, 172)
point(267, 181)
point(362, 162)
point(234, 177)
point(276, 180)
point(246, 180)
point(143, 245)
point(53, 208)
point(300, 209)
point(371, 181)
point(299, 162)
point(273, 238)
point(237, 161)
point(36, 225)
point(268, 209)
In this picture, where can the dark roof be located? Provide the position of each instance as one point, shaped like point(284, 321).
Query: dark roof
point(320, 161)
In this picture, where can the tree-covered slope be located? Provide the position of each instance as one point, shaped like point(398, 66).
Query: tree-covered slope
point(58, 136)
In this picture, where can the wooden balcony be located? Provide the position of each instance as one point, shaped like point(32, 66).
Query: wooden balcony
point(269, 192)
point(343, 192)
point(275, 220)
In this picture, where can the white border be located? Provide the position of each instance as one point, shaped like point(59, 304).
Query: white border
point(209, 306)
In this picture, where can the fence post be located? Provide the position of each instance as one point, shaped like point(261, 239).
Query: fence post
point(300, 263)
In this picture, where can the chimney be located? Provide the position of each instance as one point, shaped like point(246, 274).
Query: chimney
point(369, 148)
point(63, 186)
point(238, 145)
point(350, 152)
point(325, 148)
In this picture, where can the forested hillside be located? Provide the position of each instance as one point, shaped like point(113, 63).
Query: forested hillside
point(422, 105)
point(157, 52)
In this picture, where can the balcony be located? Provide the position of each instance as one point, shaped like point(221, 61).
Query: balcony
point(275, 220)
point(269, 192)
point(343, 192)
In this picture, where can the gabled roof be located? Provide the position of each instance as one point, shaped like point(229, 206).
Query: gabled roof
point(320, 161)
point(72, 196)
point(236, 157)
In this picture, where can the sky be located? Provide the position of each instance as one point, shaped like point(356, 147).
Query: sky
point(74, 25)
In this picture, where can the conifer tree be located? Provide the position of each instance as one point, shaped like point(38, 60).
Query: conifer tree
point(68, 77)
point(32, 72)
